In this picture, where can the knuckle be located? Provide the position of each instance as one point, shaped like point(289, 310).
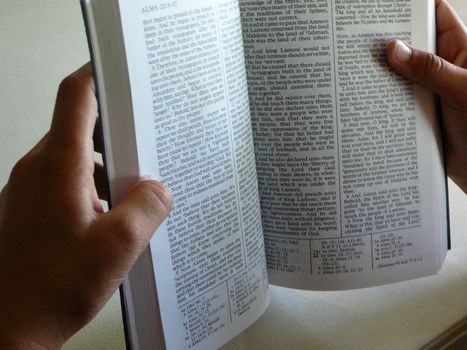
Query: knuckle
point(70, 85)
point(25, 170)
point(126, 230)
point(20, 168)
point(35, 169)
point(50, 165)
point(432, 66)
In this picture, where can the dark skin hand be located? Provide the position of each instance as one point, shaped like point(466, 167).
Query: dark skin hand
point(61, 256)
point(446, 75)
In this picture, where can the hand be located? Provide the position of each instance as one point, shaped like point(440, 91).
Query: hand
point(61, 256)
point(445, 74)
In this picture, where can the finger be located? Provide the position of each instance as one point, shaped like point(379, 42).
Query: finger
point(100, 179)
point(451, 32)
point(135, 219)
point(446, 79)
point(75, 112)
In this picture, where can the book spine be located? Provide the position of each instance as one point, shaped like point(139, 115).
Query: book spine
point(124, 287)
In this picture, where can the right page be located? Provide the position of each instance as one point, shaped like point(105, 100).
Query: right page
point(349, 154)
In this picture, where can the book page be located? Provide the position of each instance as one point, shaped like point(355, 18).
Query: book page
point(193, 131)
point(348, 153)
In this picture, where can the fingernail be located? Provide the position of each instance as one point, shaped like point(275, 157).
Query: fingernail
point(153, 178)
point(148, 178)
point(402, 52)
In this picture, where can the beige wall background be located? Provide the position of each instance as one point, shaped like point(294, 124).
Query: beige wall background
point(43, 41)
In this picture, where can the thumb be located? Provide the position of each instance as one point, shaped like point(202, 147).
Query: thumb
point(131, 224)
point(429, 70)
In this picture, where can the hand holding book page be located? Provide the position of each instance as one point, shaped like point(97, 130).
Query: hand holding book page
point(284, 137)
point(446, 74)
point(61, 257)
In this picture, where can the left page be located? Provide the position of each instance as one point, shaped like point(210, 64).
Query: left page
point(190, 110)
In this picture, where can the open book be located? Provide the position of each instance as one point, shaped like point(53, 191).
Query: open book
point(294, 154)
